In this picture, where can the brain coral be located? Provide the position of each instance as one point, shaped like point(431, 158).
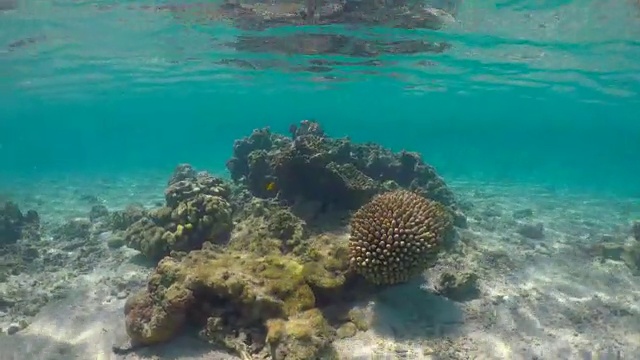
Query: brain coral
point(394, 235)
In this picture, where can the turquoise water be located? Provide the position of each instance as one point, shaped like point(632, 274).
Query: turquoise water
point(541, 92)
point(529, 109)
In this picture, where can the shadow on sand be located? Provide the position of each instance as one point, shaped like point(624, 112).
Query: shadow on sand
point(409, 312)
point(185, 347)
point(82, 327)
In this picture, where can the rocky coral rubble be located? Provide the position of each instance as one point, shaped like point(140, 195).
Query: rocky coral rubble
point(34, 270)
point(15, 225)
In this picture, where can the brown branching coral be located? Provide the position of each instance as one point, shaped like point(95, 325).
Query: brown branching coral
point(394, 236)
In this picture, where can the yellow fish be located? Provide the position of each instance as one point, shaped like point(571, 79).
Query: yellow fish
point(271, 186)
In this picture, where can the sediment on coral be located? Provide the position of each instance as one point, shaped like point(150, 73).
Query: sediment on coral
point(14, 225)
point(197, 210)
point(340, 174)
point(266, 227)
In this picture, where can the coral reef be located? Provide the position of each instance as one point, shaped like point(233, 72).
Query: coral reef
point(15, 225)
point(274, 290)
point(197, 210)
point(278, 229)
point(121, 220)
point(247, 302)
point(98, 212)
point(277, 287)
point(337, 173)
point(79, 228)
point(395, 236)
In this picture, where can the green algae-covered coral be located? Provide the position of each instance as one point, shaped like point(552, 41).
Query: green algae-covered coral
point(301, 337)
point(150, 322)
point(275, 298)
point(197, 210)
point(274, 289)
point(265, 227)
point(394, 236)
point(121, 220)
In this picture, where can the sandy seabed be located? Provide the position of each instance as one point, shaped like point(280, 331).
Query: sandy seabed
point(541, 298)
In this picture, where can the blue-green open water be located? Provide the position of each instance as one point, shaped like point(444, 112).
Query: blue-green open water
point(530, 91)
point(536, 94)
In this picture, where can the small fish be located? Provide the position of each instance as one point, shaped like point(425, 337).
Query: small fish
point(271, 186)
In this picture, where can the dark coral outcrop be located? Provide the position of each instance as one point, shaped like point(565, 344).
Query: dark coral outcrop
point(340, 174)
point(15, 225)
point(197, 210)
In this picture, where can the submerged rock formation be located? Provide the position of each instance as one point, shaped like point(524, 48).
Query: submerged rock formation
point(339, 174)
point(15, 225)
point(197, 210)
point(628, 253)
point(276, 287)
point(262, 294)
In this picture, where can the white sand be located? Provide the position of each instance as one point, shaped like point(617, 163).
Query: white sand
point(541, 298)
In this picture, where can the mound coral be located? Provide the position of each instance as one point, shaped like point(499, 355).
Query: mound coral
point(245, 301)
point(394, 236)
point(197, 210)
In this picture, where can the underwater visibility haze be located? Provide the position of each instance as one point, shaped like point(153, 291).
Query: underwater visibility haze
point(319, 179)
